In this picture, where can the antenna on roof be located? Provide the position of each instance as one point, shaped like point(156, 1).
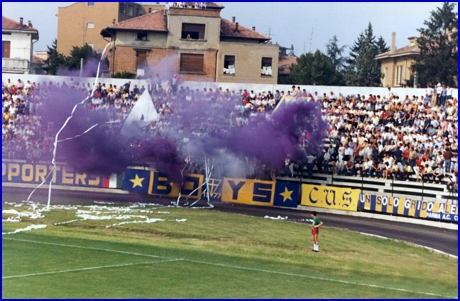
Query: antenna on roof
point(270, 32)
point(311, 37)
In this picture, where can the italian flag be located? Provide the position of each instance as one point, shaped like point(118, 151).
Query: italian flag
point(114, 181)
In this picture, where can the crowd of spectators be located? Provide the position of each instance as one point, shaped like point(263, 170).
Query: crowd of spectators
point(383, 136)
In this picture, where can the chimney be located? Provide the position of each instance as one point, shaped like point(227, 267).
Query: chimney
point(150, 10)
point(21, 21)
point(393, 42)
point(30, 24)
point(236, 27)
point(254, 28)
point(233, 19)
point(412, 41)
point(113, 21)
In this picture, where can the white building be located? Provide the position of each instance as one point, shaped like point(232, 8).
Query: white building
point(17, 45)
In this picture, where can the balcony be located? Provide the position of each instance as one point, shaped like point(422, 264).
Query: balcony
point(10, 65)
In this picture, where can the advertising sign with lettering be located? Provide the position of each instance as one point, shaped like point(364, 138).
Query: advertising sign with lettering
point(61, 175)
point(408, 207)
point(251, 192)
point(157, 183)
point(330, 197)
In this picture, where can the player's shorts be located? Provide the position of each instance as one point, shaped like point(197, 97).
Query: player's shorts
point(314, 230)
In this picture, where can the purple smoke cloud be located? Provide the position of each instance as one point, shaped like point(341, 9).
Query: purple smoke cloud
point(198, 129)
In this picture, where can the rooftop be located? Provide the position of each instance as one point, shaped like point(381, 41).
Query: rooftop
point(406, 50)
point(9, 24)
point(155, 21)
point(228, 29)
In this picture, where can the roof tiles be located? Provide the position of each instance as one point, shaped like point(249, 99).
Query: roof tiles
point(10, 24)
point(228, 29)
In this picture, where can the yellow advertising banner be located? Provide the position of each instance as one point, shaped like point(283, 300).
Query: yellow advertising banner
point(330, 197)
point(251, 192)
point(159, 184)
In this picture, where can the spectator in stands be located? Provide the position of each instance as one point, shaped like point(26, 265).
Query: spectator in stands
point(407, 172)
point(438, 174)
point(310, 164)
point(428, 173)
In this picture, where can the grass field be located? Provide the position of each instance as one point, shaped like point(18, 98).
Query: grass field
point(96, 251)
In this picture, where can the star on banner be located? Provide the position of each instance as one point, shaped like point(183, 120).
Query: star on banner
point(286, 194)
point(137, 181)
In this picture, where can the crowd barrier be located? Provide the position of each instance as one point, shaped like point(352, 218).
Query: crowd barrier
point(236, 190)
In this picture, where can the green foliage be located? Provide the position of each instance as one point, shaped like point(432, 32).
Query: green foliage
point(124, 74)
point(315, 69)
point(438, 43)
point(55, 59)
point(382, 45)
point(334, 52)
point(362, 68)
point(85, 52)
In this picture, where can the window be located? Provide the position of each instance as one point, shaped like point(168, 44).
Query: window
point(142, 36)
point(191, 62)
point(398, 76)
point(122, 8)
point(266, 66)
point(130, 10)
point(229, 64)
point(193, 31)
point(90, 25)
point(385, 72)
point(91, 4)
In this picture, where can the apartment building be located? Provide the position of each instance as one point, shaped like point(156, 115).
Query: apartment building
point(82, 22)
point(195, 42)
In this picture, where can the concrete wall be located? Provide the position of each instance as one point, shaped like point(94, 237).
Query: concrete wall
point(21, 45)
point(228, 85)
point(211, 36)
point(129, 38)
point(248, 62)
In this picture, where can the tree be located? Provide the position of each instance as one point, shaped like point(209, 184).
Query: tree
point(315, 69)
point(382, 45)
point(55, 59)
point(362, 68)
point(334, 52)
point(85, 52)
point(438, 43)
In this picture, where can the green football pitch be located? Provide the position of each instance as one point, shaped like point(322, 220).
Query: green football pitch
point(137, 251)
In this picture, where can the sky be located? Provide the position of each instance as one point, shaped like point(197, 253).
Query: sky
point(307, 25)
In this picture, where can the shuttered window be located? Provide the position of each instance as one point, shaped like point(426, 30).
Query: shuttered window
point(191, 62)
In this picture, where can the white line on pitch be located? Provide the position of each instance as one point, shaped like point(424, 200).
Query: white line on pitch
point(87, 248)
point(313, 277)
point(236, 267)
point(88, 269)
point(428, 248)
